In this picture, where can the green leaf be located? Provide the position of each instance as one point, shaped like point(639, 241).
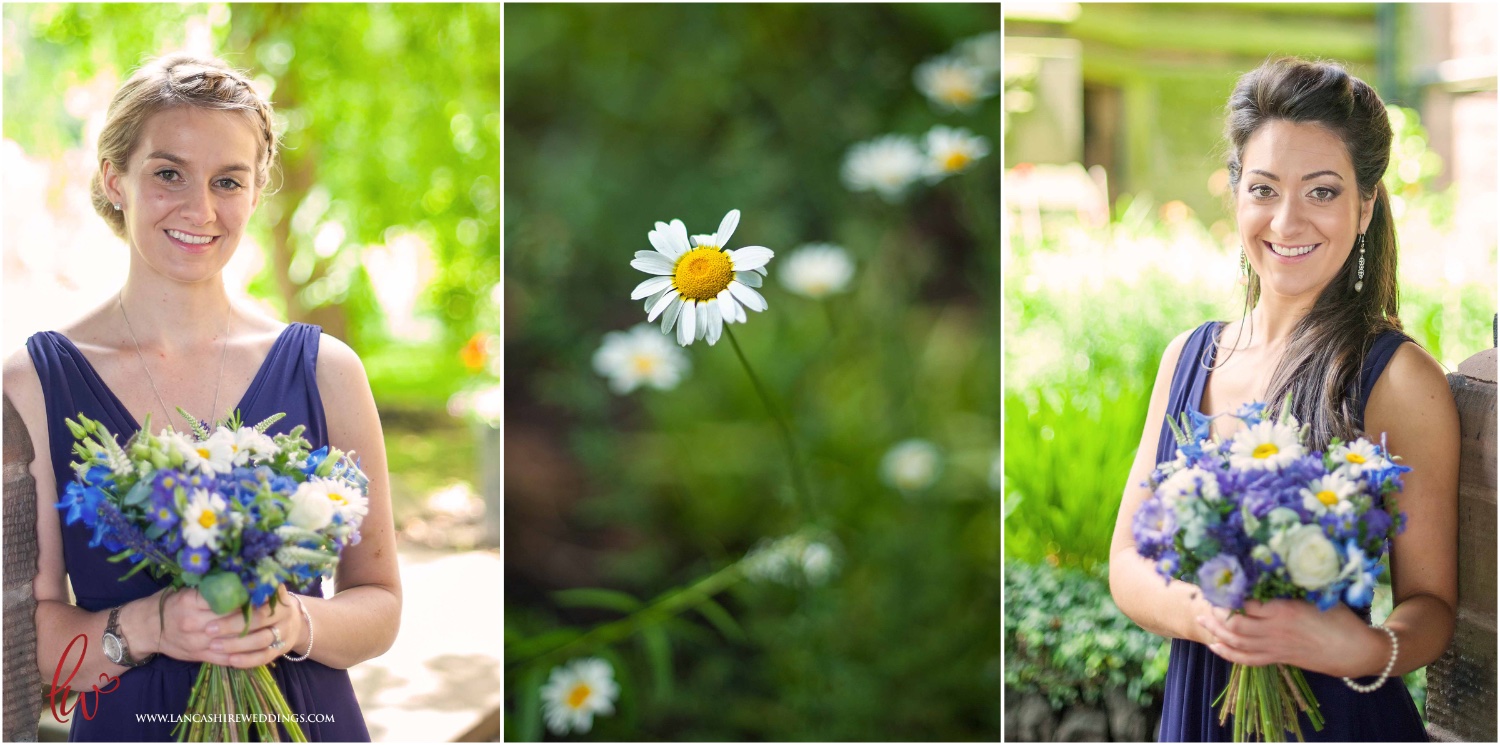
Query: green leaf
point(721, 620)
point(658, 649)
point(540, 643)
point(595, 597)
point(138, 494)
point(529, 704)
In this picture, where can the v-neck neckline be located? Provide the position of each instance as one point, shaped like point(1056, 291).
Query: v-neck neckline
point(255, 383)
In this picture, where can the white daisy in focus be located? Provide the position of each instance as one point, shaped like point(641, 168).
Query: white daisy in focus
point(348, 502)
point(575, 692)
point(911, 465)
point(203, 518)
point(701, 287)
point(886, 165)
point(1354, 458)
point(640, 356)
point(1267, 445)
point(953, 83)
point(1332, 493)
point(214, 455)
point(952, 150)
point(817, 270)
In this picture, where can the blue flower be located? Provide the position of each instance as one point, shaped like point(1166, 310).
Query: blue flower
point(82, 503)
point(261, 593)
point(1168, 565)
point(258, 544)
point(1251, 413)
point(315, 459)
point(1153, 527)
point(194, 560)
point(1223, 582)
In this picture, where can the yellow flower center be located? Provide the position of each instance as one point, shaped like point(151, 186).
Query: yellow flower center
point(1328, 498)
point(955, 88)
point(203, 453)
point(644, 364)
point(1265, 451)
point(955, 161)
point(207, 519)
point(703, 273)
point(1354, 457)
point(578, 695)
point(337, 498)
point(1225, 578)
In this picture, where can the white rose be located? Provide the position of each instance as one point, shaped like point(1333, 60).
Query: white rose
point(1310, 557)
point(311, 507)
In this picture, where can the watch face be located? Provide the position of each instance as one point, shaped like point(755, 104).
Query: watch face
point(112, 648)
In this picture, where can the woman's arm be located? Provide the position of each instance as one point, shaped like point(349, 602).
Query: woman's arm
point(360, 622)
point(1164, 609)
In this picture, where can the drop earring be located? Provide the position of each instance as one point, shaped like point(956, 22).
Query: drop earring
point(1244, 268)
point(1359, 282)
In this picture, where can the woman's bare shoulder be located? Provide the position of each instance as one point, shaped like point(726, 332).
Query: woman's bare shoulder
point(1412, 379)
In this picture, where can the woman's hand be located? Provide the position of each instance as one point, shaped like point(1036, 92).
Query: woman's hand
point(192, 632)
point(1295, 632)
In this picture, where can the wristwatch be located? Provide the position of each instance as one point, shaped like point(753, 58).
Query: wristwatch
point(115, 647)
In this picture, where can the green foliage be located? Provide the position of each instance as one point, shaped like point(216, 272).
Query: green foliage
point(1065, 639)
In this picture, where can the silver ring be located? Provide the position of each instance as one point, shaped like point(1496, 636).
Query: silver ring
point(277, 643)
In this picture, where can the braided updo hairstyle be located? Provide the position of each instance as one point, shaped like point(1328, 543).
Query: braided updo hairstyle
point(179, 79)
point(1327, 348)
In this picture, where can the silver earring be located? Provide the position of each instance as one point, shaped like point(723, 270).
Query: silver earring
point(117, 206)
point(1359, 283)
point(1244, 267)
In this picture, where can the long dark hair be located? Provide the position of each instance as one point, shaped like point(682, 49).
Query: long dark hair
point(1327, 348)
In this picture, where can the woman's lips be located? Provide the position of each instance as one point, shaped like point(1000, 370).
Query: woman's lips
point(193, 248)
point(1292, 259)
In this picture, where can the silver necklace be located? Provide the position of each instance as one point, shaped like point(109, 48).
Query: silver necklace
point(223, 355)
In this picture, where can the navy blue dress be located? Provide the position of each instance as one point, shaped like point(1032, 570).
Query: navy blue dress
point(1196, 676)
point(286, 382)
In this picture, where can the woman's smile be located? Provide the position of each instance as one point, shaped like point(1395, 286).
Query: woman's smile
point(1290, 253)
point(192, 243)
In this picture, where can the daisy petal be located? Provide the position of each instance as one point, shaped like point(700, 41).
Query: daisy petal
point(678, 235)
point(650, 287)
point(670, 317)
point(749, 279)
point(651, 301)
point(662, 304)
point(739, 313)
point(761, 270)
point(726, 227)
point(715, 323)
point(727, 306)
point(657, 264)
point(704, 240)
point(702, 321)
point(659, 240)
point(750, 257)
point(749, 297)
point(687, 323)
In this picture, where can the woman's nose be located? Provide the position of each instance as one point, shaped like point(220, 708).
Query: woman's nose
point(1288, 220)
point(198, 206)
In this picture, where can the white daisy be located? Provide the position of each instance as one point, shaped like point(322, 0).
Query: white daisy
point(982, 51)
point(952, 150)
point(1266, 445)
point(701, 287)
point(1189, 483)
point(575, 692)
point(214, 455)
point(1331, 493)
point(348, 502)
point(1354, 458)
point(204, 519)
point(911, 465)
point(249, 445)
point(789, 560)
point(816, 270)
point(886, 165)
point(953, 83)
point(640, 356)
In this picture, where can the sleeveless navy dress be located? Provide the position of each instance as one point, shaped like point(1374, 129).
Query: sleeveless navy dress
point(1196, 676)
point(286, 382)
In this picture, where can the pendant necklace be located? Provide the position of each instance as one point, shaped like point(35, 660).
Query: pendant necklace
point(223, 355)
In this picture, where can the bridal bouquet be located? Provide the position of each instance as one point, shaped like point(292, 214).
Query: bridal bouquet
point(1261, 517)
point(234, 513)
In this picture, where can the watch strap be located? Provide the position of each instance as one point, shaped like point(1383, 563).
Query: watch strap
point(113, 629)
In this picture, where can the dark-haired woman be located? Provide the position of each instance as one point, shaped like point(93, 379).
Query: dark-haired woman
point(1308, 144)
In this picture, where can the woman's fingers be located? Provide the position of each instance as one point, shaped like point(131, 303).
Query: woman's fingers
point(1238, 657)
point(256, 640)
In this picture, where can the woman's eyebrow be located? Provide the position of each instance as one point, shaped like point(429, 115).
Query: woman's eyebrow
point(164, 155)
point(1308, 177)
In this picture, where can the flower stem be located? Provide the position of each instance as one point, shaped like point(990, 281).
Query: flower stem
point(799, 484)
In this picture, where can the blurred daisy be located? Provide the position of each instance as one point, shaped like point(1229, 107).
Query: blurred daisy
point(1265, 445)
point(640, 356)
point(982, 51)
point(817, 269)
point(214, 455)
point(575, 692)
point(952, 82)
point(203, 518)
point(699, 287)
point(911, 465)
point(886, 165)
point(791, 559)
point(952, 150)
point(1331, 493)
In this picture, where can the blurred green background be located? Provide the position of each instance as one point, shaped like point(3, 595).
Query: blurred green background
point(383, 229)
point(619, 116)
point(1121, 238)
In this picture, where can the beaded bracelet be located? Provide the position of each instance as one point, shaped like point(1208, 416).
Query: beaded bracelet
point(307, 617)
point(1384, 674)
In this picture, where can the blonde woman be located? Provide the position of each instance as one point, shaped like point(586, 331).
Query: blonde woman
point(184, 159)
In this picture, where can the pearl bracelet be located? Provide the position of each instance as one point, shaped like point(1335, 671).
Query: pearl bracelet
point(1384, 674)
point(306, 617)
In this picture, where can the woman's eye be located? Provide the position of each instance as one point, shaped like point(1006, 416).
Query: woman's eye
point(1323, 193)
point(167, 174)
point(228, 183)
point(1261, 190)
